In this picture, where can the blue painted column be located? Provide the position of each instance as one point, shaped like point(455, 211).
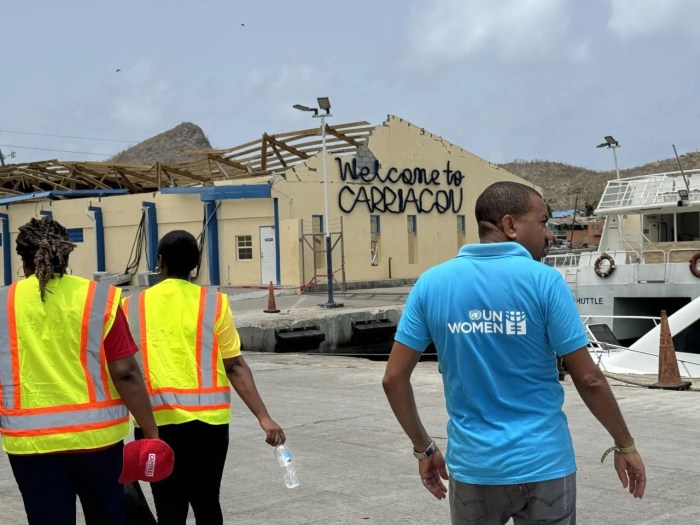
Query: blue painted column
point(46, 213)
point(277, 241)
point(6, 249)
point(212, 243)
point(99, 237)
point(151, 235)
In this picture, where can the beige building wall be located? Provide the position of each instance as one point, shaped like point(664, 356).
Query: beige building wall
point(121, 216)
point(438, 180)
point(453, 180)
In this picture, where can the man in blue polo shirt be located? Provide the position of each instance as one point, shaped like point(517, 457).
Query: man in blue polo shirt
point(499, 318)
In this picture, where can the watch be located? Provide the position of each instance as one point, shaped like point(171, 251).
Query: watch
point(432, 447)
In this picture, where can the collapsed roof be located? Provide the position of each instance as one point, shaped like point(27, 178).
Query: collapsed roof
point(268, 155)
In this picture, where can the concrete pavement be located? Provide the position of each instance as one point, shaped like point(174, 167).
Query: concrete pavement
point(356, 464)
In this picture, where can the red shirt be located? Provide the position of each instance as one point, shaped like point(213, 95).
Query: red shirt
point(119, 343)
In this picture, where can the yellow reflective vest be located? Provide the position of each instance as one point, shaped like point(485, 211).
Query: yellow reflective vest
point(174, 324)
point(56, 391)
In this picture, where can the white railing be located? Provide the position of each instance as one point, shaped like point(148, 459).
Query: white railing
point(650, 190)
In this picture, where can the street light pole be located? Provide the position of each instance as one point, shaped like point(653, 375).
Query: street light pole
point(325, 105)
point(617, 169)
point(573, 220)
point(329, 245)
point(612, 144)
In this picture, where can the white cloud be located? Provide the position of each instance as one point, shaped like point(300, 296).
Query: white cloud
point(449, 30)
point(636, 18)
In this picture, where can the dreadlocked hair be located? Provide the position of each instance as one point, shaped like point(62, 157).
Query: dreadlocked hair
point(44, 247)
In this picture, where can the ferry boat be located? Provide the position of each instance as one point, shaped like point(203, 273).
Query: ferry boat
point(648, 259)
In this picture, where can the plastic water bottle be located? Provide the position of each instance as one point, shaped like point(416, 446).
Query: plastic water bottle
point(286, 465)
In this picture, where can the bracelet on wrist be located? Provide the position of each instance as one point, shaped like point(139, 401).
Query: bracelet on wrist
point(621, 450)
point(432, 447)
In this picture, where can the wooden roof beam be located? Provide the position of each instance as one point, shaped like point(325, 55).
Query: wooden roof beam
point(138, 175)
point(289, 148)
point(167, 169)
point(342, 136)
point(232, 163)
point(277, 153)
point(130, 185)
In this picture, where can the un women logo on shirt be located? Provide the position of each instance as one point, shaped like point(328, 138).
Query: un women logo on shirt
point(516, 323)
point(509, 322)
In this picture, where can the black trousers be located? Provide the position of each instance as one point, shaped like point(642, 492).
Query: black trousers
point(200, 454)
point(49, 484)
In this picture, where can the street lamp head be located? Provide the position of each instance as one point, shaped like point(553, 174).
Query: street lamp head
point(302, 108)
point(610, 142)
point(324, 103)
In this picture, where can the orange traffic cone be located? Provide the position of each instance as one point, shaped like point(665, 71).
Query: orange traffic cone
point(271, 306)
point(669, 375)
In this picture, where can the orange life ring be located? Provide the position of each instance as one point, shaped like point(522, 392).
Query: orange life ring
point(601, 271)
point(693, 265)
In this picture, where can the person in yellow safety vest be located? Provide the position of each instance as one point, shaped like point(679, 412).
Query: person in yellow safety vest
point(68, 381)
point(190, 350)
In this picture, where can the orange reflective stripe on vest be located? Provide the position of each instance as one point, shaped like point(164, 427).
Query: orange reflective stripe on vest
point(9, 374)
point(100, 295)
point(100, 411)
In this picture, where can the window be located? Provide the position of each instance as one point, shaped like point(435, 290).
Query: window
point(75, 234)
point(374, 225)
point(412, 225)
point(317, 223)
point(374, 238)
point(319, 241)
point(461, 230)
point(244, 247)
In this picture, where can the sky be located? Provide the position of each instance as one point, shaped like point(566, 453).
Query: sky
point(503, 79)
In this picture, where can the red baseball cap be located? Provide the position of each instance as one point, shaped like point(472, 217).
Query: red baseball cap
point(147, 460)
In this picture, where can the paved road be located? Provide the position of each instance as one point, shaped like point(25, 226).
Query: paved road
point(356, 466)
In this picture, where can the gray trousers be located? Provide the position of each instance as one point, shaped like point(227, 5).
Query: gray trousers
point(552, 502)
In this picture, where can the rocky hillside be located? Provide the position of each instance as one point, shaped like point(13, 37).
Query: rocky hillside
point(560, 182)
point(167, 147)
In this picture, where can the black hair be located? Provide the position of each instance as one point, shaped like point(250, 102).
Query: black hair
point(179, 253)
point(500, 199)
point(44, 247)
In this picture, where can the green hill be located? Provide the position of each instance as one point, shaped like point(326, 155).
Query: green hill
point(560, 182)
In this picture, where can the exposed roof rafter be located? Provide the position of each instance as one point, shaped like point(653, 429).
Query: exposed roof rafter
point(268, 155)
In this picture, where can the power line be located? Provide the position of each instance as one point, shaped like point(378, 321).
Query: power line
point(59, 150)
point(64, 136)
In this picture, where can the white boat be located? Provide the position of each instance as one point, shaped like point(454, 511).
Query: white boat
point(648, 260)
point(642, 356)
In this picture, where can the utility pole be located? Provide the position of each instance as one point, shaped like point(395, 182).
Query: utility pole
point(573, 218)
point(3, 157)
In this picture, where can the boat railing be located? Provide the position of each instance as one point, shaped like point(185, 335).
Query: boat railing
point(654, 256)
point(672, 255)
point(598, 349)
point(562, 260)
point(588, 258)
point(648, 190)
point(588, 318)
point(688, 251)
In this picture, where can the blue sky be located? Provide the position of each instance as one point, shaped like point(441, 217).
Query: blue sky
point(504, 79)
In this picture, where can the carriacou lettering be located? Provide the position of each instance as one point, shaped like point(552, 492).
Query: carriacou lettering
point(372, 189)
point(382, 199)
